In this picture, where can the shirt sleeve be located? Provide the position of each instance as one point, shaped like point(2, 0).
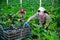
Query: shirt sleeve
point(47, 17)
point(35, 15)
point(47, 20)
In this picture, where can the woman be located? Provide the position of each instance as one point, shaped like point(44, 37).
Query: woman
point(42, 16)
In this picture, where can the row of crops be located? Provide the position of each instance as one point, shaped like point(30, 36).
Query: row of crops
point(9, 16)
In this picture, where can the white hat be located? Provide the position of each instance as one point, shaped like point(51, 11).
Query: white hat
point(42, 9)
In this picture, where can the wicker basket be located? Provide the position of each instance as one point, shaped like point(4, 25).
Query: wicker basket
point(17, 33)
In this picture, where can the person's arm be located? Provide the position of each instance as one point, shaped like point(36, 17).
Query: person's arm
point(26, 23)
point(32, 17)
point(48, 20)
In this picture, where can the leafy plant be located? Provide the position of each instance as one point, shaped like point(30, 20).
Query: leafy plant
point(8, 16)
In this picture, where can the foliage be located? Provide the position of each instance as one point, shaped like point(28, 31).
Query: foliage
point(9, 16)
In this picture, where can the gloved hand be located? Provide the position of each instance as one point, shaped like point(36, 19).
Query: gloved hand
point(26, 24)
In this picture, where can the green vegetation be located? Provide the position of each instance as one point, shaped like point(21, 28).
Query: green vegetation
point(8, 16)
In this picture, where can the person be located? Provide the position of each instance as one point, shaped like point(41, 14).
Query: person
point(42, 16)
point(22, 11)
